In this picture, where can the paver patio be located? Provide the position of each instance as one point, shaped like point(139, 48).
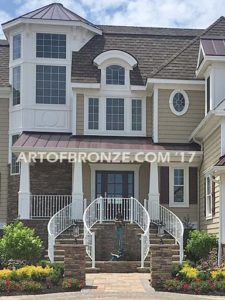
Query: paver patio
point(115, 286)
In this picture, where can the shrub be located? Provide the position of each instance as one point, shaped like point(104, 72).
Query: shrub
point(218, 274)
point(173, 285)
point(19, 242)
point(28, 272)
point(176, 269)
point(200, 244)
point(9, 286)
point(30, 286)
point(71, 284)
point(189, 272)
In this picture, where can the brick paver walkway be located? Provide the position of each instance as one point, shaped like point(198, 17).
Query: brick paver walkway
point(109, 286)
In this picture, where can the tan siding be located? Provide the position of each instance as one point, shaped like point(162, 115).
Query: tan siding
point(4, 121)
point(80, 114)
point(212, 150)
point(149, 116)
point(177, 129)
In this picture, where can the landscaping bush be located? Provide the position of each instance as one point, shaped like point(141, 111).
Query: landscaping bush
point(20, 243)
point(200, 244)
point(31, 286)
point(71, 284)
point(28, 272)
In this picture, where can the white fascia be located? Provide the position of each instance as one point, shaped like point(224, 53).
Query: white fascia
point(115, 54)
point(6, 27)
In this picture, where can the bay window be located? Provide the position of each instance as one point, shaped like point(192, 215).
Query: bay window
point(16, 46)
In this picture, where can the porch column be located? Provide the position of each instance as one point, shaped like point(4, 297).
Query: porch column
point(24, 192)
point(153, 196)
point(77, 191)
point(222, 208)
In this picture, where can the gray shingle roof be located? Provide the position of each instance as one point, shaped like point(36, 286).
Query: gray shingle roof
point(4, 63)
point(166, 53)
point(53, 11)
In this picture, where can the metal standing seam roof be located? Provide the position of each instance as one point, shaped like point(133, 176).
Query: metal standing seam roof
point(221, 162)
point(53, 11)
point(60, 141)
point(213, 46)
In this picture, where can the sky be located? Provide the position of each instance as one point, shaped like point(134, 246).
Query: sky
point(157, 13)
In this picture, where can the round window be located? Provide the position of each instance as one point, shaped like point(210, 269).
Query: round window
point(179, 102)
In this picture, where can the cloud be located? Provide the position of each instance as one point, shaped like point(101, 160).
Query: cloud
point(4, 16)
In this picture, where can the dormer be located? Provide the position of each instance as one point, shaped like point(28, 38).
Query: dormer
point(115, 66)
point(211, 67)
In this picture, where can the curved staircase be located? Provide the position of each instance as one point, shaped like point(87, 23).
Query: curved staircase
point(140, 234)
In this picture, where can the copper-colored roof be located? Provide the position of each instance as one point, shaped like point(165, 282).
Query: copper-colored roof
point(221, 162)
point(67, 141)
point(53, 11)
point(213, 46)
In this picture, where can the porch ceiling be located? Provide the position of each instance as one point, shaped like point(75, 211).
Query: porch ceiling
point(30, 141)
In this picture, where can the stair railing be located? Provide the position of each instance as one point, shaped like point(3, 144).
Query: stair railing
point(58, 223)
point(105, 209)
point(160, 215)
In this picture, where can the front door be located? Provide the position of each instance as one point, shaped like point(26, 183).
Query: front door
point(116, 188)
point(114, 184)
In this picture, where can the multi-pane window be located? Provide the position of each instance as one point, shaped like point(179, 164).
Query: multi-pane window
point(136, 114)
point(15, 166)
point(114, 114)
point(208, 187)
point(93, 113)
point(16, 85)
point(115, 75)
point(50, 84)
point(51, 45)
point(178, 188)
point(17, 46)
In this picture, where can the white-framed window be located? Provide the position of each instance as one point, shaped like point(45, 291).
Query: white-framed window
point(114, 116)
point(115, 74)
point(179, 102)
point(136, 114)
point(16, 51)
point(50, 45)
point(93, 113)
point(15, 166)
point(179, 186)
point(50, 84)
point(16, 85)
point(208, 196)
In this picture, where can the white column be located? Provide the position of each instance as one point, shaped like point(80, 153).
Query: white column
point(24, 192)
point(153, 196)
point(77, 191)
point(222, 208)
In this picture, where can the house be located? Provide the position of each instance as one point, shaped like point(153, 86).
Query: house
point(115, 118)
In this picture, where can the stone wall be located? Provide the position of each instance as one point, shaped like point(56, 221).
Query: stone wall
point(160, 263)
point(105, 237)
point(74, 262)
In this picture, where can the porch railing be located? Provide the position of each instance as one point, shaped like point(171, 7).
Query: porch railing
point(45, 206)
point(105, 209)
point(164, 217)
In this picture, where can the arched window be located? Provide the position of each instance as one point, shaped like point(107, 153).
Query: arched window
point(115, 75)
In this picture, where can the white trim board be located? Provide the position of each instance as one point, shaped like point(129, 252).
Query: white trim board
point(115, 167)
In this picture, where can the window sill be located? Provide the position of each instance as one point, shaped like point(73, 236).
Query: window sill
point(209, 217)
point(184, 205)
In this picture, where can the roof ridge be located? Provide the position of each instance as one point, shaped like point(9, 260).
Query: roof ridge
point(168, 61)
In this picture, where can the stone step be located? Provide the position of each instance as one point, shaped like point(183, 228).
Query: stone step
point(68, 241)
point(155, 235)
point(157, 241)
